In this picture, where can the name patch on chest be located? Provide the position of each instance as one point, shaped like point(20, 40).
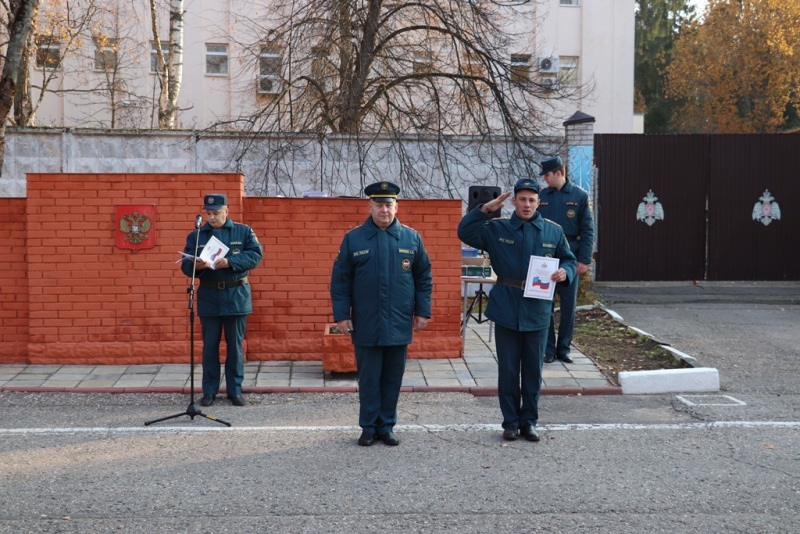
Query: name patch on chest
point(405, 251)
point(506, 241)
point(360, 253)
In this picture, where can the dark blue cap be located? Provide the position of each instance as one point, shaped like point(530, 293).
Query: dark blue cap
point(382, 191)
point(214, 201)
point(552, 164)
point(526, 183)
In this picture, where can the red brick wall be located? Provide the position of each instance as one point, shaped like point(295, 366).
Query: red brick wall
point(301, 237)
point(14, 335)
point(88, 301)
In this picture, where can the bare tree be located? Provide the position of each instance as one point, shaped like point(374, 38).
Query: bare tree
point(170, 69)
point(401, 80)
point(19, 22)
point(60, 28)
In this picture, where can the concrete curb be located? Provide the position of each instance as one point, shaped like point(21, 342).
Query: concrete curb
point(700, 379)
point(703, 379)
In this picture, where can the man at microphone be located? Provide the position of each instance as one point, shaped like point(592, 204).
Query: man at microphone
point(223, 298)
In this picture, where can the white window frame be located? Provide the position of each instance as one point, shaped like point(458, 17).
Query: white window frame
point(106, 58)
point(45, 43)
point(521, 67)
point(269, 71)
point(423, 62)
point(217, 52)
point(568, 71)
point(154, 55)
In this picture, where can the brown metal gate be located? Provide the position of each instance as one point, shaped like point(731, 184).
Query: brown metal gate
point(697, 207)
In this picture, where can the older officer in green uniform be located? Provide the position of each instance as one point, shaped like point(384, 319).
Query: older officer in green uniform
point(520, 322)
point(223, 299)
point(568, 205)
point(381, 289)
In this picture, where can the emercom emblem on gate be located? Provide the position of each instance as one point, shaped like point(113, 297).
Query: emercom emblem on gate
point(650, 210)
point(767, 209)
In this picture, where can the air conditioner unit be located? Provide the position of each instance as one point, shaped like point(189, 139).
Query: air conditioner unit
point(550, 83)
point(547, 64)
point(269, 85)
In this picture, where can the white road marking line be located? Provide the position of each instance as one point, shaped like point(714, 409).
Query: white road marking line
point(405, 428)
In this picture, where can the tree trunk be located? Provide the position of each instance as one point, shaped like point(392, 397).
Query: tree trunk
point(171, 71)
point(175, 66)
point(20, 28)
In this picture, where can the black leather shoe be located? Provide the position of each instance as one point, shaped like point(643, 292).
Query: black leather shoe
point(367, 438)
point(236, 400)
point(510, 435)
point(529, 433)
point(549, 358)
point(389, 439)
point(207, 400)
point(565, 358)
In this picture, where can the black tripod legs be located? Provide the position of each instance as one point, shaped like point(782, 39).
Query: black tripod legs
point(191, 412)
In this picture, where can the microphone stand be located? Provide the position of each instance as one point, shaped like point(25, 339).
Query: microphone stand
point(191, 411)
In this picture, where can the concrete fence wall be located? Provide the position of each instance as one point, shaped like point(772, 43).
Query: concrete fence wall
point(274, 165)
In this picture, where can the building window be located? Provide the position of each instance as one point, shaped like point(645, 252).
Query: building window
point(269, 71)
point(105, 55)
point(520, 68)
point(322, 69)
point(568, 70)
point(568, 2)
point(423, 62)
point(154, 56)
point(48, 53)
point(217, 59)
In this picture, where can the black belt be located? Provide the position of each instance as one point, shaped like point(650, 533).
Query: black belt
point(224, 285)
point(519, 284)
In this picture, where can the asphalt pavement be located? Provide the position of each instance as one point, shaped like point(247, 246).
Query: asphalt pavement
point(727, 462)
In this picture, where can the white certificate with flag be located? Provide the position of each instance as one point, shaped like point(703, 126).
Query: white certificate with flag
point(538, 284)
point(213, 250)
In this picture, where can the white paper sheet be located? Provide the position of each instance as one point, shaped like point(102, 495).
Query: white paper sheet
point(538, 284)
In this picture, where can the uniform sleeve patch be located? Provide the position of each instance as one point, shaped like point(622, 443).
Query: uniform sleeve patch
point(548, 245)
point(406, 251)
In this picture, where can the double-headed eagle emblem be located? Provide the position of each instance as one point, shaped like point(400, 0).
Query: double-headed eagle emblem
point(135, 227)
point(650, 210)
point(766, 210)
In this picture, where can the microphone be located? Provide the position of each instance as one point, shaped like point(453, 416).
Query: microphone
point(197, 221)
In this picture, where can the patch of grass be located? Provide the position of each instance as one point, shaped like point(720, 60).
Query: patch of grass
point(614, 347)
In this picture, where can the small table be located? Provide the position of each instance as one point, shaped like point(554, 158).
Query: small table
point(477, 298)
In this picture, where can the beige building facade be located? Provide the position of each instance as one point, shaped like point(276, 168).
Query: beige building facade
point(106, 77)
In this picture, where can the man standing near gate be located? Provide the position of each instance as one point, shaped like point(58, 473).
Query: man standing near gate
point(381, 288)
point(223, 299)
point(568, 205)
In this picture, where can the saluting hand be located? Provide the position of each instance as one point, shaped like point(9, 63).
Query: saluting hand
point(495, 204)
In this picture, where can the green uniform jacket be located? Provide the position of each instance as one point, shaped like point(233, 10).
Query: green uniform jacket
point(380, 280)
point(569, 207)
point(510, 244)
point(244, 254)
